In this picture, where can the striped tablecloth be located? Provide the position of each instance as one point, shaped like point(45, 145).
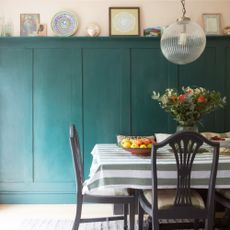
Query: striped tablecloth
point(114, 167)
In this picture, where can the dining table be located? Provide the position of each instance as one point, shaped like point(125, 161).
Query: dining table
point(115, 167)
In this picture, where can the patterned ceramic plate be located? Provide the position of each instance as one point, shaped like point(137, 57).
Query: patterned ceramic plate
point(64, 23)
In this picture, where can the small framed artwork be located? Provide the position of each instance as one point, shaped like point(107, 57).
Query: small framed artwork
point(29, 24)
point(124, 21)
point(42, 30)
point(212, 24)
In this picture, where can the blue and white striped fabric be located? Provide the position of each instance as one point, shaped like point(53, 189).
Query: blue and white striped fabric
point(114, 167)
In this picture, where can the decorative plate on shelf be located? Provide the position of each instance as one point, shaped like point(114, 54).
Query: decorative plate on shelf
point(64, 23)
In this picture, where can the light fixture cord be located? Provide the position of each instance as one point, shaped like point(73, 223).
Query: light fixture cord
point(183, 10)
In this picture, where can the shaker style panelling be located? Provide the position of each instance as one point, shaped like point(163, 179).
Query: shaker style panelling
point(104, 86)
point(206, 72)
point(57, 103)
point(150, 71)
point(15, 116)
point(227, 86)
point(106, 98)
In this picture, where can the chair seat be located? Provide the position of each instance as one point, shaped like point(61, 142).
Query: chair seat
point(105, 192)
point(166, 198)
point(224, 192)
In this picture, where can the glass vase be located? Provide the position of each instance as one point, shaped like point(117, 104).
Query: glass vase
point(192, 128)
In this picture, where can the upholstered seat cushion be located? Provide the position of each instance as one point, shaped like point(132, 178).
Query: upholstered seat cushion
point(224, 151)
point(166, 198)
point(225, 193)
point(105, 191)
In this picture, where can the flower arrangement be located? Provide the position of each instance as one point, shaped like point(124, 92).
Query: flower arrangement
point(188, 107)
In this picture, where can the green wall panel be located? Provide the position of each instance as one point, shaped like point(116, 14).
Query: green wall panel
point(15, 115)
point(227, 87)
point(106, 87)
point(57, 103)
point(205, 72)
point(150, 72)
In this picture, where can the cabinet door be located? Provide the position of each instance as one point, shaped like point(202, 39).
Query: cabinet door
point(57, 103)
point(150, 72)
point(15, 116)
point(106, 90)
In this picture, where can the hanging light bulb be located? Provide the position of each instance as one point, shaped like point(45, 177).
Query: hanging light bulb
point(184, 41)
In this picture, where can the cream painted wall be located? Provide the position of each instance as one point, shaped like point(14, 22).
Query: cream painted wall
point(153, 12)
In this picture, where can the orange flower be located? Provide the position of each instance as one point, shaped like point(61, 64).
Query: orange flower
point(201, 99)
point(173, 98)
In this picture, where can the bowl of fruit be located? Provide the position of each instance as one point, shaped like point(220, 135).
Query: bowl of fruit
point(137, 145)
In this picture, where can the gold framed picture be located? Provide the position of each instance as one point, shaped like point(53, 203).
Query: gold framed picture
point(124, 21)
point(29, 24)
point(212, 24)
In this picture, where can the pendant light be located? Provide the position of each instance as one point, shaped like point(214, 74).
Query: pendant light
point(184, 41)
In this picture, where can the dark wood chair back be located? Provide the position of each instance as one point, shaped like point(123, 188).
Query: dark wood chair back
point(128, 201)
point(77, 158)
point(184, 146)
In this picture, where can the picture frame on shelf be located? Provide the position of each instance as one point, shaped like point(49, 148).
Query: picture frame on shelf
point(212, 25)
point(42, 30)
point(29, 24)
point(124, 21)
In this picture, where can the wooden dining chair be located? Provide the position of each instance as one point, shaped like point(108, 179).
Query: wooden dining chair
point(183, 202)
point(223, 197)
point(105, 196)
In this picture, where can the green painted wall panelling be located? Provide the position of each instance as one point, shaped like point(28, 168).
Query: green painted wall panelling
point(57, 103)
point(15, 115)
point(150, 71)
point(213, 77)
point(104, 86)
point(106, 101)
point(227, 85)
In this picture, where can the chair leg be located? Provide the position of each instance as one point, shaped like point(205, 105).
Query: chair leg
point(125, 207)
point(209, 222)
point(196, 224)
point(140, 217)
point(226, 219)
point(77, 216)
point(132, 215)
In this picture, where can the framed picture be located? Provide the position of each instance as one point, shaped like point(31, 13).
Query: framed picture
point(29, 24)
point(124, 21)
point(42, 30)
point(212, 24)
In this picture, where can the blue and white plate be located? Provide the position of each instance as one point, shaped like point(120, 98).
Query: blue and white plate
point(64, 23)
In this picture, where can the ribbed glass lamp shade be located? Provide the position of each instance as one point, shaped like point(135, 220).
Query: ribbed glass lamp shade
point(183, 42)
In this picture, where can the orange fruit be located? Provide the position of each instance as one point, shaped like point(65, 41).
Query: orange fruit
point(138, 142)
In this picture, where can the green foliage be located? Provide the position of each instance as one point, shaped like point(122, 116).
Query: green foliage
point(188, 107)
